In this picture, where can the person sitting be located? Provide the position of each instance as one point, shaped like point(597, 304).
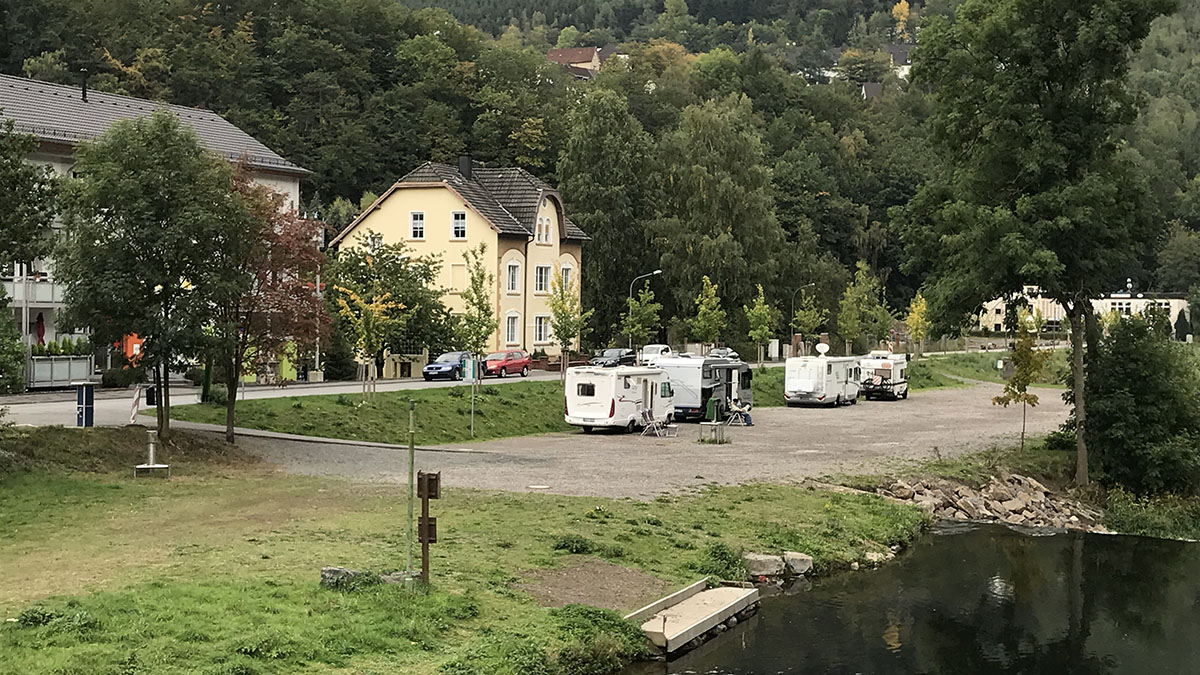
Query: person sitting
point(743, 411)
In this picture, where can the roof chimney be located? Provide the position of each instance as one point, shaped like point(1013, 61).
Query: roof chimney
point(464, 166)
point(84, 75)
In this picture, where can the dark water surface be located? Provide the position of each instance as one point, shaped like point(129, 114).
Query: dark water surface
point(980, 599)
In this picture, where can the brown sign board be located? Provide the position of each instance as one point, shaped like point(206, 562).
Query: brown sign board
point(427, 530)
point(429, 485)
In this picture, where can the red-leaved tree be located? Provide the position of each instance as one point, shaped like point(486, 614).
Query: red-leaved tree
point(272, 305)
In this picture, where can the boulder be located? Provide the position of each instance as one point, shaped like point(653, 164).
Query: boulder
point(1015, 505)
point(395, 578)
point(902, 491)
point(762, 565)
point(339, 577)
point(875, 557)
point(1014, 519)
point(797, 563)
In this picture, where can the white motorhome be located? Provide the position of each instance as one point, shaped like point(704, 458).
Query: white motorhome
point(821, 380)
point(617, 396)
point(885, 375)
point(650, 354)
point(698, 379)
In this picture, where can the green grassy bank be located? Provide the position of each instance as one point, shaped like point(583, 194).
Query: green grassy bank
point(982, 366)
point(215, 571)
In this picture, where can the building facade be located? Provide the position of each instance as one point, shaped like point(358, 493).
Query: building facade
point(991, 318)
point(60, 117)
point(444, 211)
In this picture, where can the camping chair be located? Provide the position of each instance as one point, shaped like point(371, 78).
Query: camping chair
point(735, 419)
point(651, 425)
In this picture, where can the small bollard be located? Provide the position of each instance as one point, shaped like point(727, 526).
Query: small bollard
point(151, 464)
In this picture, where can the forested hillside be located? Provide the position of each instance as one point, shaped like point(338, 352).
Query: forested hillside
point(717, 147)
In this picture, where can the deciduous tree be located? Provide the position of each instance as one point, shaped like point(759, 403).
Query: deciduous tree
point(477, 323)
point(762, 319)
point(917, 321)
point(641, 321)
point(862, 313)
point(709, 322)
point(568, 321)
point(808, 318)
point(1029, 364)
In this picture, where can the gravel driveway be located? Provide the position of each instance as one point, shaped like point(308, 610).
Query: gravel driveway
point(785, 443)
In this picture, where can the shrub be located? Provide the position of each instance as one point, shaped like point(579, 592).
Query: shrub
point(195, 376)
point(596, 641)
point(722, 561)
point(1168, 516)
point(122, 377)
point(573, 543)
point(35, 616)
point(218, 394)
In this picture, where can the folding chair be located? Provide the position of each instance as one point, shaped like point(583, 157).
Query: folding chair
point(651, 425)
point(735, 419)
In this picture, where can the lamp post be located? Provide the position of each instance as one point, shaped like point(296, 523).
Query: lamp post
point(635, 280)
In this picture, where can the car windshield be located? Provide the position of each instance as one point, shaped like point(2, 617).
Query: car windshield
point(496, 356)
point(450, 357)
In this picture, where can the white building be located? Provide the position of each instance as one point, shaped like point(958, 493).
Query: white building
point(1055, 316)
point(61, 116)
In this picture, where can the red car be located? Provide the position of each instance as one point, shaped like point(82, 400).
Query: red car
point(506, 363)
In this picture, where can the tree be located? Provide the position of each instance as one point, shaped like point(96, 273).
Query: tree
point(604, 183)
point(900, 12)
point(477, 323)
point(862, 312)
point(917, 321)
point(762, 319)
point(808, 318)
point(640, 320)
point(1179, 259)
point(568, 321)
point(1040, 193)
point(143, 225)
point(27, 191)
point(1029, 364)
point(709, 322)
point(861, 65)
point(12, 352)
point(568, 37)
point(270, 305)
point(370, 313)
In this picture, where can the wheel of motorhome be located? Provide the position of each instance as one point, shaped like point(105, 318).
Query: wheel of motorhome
point(621, 397)
point(631, 427)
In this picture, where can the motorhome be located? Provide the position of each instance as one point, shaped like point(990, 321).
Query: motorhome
point(821, 380)
point(617, 396)
point(698, 379)
point(885, 375)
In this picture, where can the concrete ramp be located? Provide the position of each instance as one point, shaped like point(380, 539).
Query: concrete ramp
point(676, 620)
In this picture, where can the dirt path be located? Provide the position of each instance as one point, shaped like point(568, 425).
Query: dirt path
point(784, 444)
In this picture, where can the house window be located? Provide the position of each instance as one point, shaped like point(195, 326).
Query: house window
point(514, 277)
point(586, 389)
point(541, 278)
point(541, 329)
point(374, 243)
point(458, 226)
point(998, 311)
point(418, 225)
point(566, 277)
point(512, 328)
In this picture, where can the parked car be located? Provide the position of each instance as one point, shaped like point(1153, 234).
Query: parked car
point(616, 356)
point(724, 353)
point(501, 364)
point(449, 365)
point(651, 353)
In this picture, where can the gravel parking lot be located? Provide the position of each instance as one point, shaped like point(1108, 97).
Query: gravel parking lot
point(784, 444)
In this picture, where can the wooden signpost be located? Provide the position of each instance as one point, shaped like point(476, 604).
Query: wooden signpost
point(429, 486)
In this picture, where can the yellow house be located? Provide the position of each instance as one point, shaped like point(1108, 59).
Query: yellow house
point(442, 210)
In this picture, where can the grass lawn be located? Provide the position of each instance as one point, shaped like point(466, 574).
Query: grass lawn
point(443, 414)
point(215, 571)
point(982, 366)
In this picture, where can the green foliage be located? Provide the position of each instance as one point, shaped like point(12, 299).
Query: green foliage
point(218, 395)
point(709, 322)
point(721, 561)
point(863, 313)
point(12, 351)
point(568, 322)
point(1179, 260)
point(122, 377)
point(861, 66)
point(28, 192)
point(640, 320)
point(477, 323)
point(573, 543)
point(1166, 516)
point(762, 319)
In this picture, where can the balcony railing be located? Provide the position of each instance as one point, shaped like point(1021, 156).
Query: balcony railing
point(58, 371)
point(42, 292)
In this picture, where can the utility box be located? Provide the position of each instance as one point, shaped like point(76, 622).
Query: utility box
point(151, 396)
point(85, 403)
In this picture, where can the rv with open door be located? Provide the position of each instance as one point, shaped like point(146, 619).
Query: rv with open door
point(885, 375)
point(617, 396)
point(698, 379)
point(821, 380)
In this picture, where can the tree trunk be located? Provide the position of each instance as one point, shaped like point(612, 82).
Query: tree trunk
point(1076, 315)
point(1024, 408)
point(165, 398)
point(230, 405)
point(158, 411)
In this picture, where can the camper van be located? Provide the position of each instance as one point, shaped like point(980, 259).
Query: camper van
point(821, 380)
point(617, 396)
point(885, 375)
point(697, 379)
point(652, 353)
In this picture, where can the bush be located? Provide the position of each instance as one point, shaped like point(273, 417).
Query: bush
point(218, 394)
point(1143, 397)
point(597, 641)
point(722, 561)
point(1169, 516)
point(195, 376)
point(122, 377)
point(573, 543)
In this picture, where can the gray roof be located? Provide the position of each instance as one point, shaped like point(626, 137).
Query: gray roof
point(508, 197)
point(58, 113)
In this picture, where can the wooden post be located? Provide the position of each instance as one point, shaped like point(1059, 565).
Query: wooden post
point(428, 487)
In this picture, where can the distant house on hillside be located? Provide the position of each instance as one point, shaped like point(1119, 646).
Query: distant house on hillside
point(441, 210)
point(581, 62)
point(60, 117)
point(899, 54)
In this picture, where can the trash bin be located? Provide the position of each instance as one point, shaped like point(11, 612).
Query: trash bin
point(710, 410)
point(151, 396)
point(85, 403)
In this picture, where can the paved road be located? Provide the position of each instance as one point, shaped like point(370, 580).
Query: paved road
point(113, 407)
point(784, 444)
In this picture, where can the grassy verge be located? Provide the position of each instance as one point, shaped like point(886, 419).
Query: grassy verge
point(215, 571)
point(443, 414)
point(982, 366)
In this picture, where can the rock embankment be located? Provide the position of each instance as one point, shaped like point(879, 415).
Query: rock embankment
point(1010, 498)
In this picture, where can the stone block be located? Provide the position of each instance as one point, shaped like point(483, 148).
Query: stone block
point(797, 563)
point(763, 565)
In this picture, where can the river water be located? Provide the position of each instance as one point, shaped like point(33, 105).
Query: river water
point(980, 599)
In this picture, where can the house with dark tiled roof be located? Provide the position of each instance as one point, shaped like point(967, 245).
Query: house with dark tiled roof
point(443, 210)
point(61, 117)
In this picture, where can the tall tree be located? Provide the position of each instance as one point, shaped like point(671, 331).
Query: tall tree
point(762, 318)
point(477, 323)
point(604, 173)
point(862, 313)
point(27, 191)
point(144, 224)
point(641, 321)
point(1029, 96)
point(568, 321)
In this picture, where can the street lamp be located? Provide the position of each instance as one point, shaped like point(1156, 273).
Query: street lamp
point(635, 280)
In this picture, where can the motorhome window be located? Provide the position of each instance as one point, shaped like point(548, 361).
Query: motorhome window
point(745, 380)
point(829, 369)
point(626, 381)
point(706, 373)
point(586, 389)
point(883, 372)
point(665, 390)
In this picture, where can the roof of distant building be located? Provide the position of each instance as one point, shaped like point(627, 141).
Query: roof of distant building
point(901, 54)
point(567, 55)
point(871, 89)
point(506, 197)
point(59, 113)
